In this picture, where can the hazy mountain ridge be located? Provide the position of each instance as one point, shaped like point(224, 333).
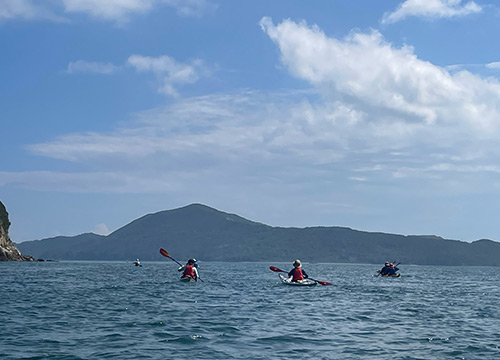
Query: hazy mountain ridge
point(212, 235)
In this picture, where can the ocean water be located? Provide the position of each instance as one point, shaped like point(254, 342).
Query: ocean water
point(114, 310)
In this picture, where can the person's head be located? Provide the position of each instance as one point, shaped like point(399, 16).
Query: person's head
point(391, 265)
point(386, 263)
point(191, 261)
point(297, 263)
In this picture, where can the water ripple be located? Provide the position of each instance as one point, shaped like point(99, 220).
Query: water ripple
point(113, 310)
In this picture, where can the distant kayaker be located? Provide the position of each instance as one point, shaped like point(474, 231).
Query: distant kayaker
point(297, 273)
point(386, 269)
point(389, 269)
point(137, 262)
point(190, 269)
point(392, 269)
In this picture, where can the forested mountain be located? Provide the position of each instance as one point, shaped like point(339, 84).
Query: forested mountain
point(211, 235)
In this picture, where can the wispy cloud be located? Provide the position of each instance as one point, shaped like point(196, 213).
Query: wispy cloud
point(493, 65)
point(168, 71)
point(196, 8)
point(83, 66)
point(431, 9)
point(27, 10)
point(112, 10)
point(109, 9)
point(274, 135)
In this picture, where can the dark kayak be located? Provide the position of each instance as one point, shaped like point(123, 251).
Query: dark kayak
point(187, 279)
point(395, 275)
point(305, 282)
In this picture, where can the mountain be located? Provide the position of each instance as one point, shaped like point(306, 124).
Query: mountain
point(212, 235)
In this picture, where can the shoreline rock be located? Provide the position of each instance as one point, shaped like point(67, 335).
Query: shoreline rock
point(8, 251)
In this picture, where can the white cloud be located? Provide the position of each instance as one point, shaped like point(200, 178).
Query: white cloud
point(169, 72)
point(401, 92)
point(493, 65)
point(27, 10)
point(432, 9)
point(101, 229)
point(277, 136)
point(195, 8)
point(91, 67)
point(109, 9)
point(112, 10)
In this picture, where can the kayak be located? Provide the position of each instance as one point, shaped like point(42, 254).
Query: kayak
point(187, 279)
point(395, 275)
point(305, 282)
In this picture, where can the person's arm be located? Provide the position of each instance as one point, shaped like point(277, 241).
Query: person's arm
point(290, 273)
point(180, 268)
point(304, 274)
point(195, 270)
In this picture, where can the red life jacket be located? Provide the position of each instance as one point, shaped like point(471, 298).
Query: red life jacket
point(297, 274)
point(188, 271)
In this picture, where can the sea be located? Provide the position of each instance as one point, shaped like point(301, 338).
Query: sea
point(115, 310)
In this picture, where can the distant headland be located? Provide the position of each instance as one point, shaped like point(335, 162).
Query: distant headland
point(212, 235)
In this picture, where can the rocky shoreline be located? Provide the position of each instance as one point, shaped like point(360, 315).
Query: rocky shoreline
point(8, 251)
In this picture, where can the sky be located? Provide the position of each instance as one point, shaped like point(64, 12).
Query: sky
point(376, 115)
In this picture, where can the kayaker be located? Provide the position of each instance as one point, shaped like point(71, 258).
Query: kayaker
point(190, 269)
point(386, 269)
point(137, 262)
point(392, 269)
point(297, 273)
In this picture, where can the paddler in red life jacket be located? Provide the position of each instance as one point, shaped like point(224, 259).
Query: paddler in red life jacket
point(190, 269)
point(297, 273)
point(392, 269)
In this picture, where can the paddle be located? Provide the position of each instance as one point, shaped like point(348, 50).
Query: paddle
point(275, 269)
point(166, 254)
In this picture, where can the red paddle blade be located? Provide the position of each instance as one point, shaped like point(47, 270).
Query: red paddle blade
point(323, 282)
point(275, 269)
point(164, 252)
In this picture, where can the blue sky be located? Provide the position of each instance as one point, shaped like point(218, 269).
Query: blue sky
point(376, 115)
